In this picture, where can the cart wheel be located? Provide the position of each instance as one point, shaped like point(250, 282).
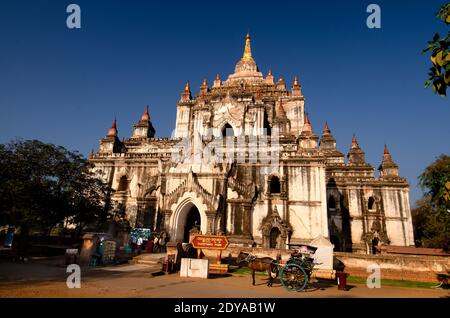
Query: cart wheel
point(293, 277)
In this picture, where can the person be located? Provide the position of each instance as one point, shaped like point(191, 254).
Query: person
point(149, 246)
point(139, 244)
point(133, 244)
point(156, 244)
point(162, 243)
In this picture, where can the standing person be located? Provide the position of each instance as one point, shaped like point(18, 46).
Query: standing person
point(149, 246)
point(133, 244)
point(156, 244)
point(162, 242)
point(139, 244)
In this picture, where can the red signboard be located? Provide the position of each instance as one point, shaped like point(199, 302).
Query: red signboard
point(214, 242)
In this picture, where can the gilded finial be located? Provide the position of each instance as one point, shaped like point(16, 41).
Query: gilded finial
point(248, 49)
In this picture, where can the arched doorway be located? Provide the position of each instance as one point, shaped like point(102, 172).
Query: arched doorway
point(188, 210)
point(274, 238)
point(227, 130)
point(193, 220)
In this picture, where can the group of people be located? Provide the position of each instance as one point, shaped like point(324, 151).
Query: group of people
point(156, 243)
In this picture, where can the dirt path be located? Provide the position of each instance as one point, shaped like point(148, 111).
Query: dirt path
point(49, 280)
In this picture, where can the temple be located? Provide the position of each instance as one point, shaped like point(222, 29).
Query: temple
point(244, 160)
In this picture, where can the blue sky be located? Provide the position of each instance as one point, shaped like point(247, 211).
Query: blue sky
point(66, 86)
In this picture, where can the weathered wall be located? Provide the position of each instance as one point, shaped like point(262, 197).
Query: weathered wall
point(401, 267)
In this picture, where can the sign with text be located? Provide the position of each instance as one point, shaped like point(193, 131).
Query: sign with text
point(214, 242)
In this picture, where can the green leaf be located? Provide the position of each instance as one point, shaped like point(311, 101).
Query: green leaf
point(436, 37)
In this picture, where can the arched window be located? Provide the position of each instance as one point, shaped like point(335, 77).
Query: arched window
point(123, 184)
point(371, 203)
point(275, 186)
point(331, 203)
point(227, 130)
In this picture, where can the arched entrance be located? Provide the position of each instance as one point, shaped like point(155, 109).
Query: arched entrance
point(187, 214)
point(274, 238)
point(193, 220)
point(227, 130)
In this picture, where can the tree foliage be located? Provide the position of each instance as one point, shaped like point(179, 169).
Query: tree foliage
point(44, 185)
point(434, 180)
point(439, 75)
point(432, 214)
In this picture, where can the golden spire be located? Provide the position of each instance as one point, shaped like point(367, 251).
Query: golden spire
point(248, 49)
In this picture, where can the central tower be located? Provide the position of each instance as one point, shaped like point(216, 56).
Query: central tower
point(246, 69)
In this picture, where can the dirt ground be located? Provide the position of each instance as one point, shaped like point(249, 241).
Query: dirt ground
point(47, 278)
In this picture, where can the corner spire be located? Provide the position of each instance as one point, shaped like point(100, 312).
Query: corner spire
point(217, 81)
point(307, 119)
point(204, 87)
point(145, 116)
point(186, 95)
point(326, 129)
point(356, 155)
point(328, 144)
point(388, 167)
point(248, 50)
point(269, 78)
point(354, 141)
point(307, 126)
point(112, 132)
point(296, 89)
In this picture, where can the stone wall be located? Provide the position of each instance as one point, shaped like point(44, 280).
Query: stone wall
point(422, 268)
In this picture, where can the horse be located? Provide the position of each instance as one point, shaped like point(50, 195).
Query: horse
point(260, 264)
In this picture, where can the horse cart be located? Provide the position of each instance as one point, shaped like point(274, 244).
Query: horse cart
point(294, 275)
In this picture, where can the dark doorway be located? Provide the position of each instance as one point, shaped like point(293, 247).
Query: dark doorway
point(267, 129)
point(371, 203)
point(335, 241)
point(123, 184)
point(274, 237)
point(192, 220)
point(227, 130)
point(375, 245)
